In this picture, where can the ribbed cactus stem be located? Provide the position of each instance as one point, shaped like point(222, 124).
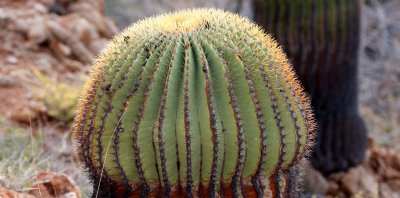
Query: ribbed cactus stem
point(197, 103)
point(322, 40)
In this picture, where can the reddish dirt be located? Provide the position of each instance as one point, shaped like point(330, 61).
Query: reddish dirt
point(30, 38)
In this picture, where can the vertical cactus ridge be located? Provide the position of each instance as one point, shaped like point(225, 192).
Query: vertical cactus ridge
point(322, 39)
point(139, 90)
point(299, 137)
point(166, 124)
point(187, 130)
point(210, 124)
point(145, 150)
point(139, 137)
point(197, 103)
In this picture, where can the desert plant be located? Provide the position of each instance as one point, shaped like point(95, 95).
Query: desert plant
point(322, 40)
point(194, 103)
point(60, 99)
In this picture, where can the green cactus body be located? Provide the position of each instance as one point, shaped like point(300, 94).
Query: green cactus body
point(198, 103)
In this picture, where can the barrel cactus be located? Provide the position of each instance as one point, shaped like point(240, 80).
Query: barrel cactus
point(197, 103)
point(322, 39)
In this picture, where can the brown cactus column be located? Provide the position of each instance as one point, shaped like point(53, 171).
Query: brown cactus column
point(321, 38)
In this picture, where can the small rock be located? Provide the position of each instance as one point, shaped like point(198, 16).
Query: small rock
point(24, 115)
point(385, 162)
point(105, 27)
point(359, 180)
point(37, 32)
point(394, 184)
point(40, 8)
point(6, 81)
point(313, 196)
point(341, 194)
point(333, 187)
point(70, 195)
point(72, 66)
point(314, 182)
point(78, 49)
point(52, 184)
point(12, 60)
point(386, 191)
point(60, 49)
point(336, 176)
point(80, 27)
point(44, 64)
point(6, 193)
point(389, 174)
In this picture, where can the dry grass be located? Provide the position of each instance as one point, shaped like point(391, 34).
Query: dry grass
point(21, 156)
point(16, 158)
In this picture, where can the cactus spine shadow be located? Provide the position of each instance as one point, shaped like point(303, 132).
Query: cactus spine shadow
point(194, 103)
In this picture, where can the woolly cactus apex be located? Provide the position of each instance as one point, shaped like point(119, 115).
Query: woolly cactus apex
point(194, 103)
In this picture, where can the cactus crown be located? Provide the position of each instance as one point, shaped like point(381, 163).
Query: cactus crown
point(196, 103)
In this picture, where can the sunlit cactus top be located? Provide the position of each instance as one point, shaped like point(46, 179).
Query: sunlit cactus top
point(194, 103)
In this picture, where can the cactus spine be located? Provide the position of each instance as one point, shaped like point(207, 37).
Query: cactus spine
point(194, 103)
point(322, 39)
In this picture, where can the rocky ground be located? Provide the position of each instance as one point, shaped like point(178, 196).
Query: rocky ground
point(379, 71)
point(378, 176)
point(54, 39)
point(48, 184)
point(46, 49)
